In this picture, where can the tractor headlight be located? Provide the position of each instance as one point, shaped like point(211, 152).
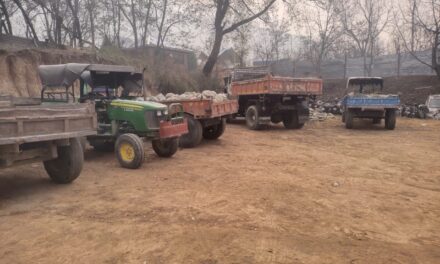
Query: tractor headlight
point(159, 113)
point(165, 112)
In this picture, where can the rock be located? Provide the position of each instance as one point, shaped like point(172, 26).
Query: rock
point(335, 184)
point(160, 97)
point(207, 94)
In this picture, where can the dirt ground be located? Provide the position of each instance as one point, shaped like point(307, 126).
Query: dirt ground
point(322, 194)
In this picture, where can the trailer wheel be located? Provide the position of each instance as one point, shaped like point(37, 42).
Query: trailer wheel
point(390, 119)
point(165, 148)
point(215, 131)
point(67, 167)
point(129, 151)
point(291, 120)
point(348, 119)
point(252, 117)
point(194, 135)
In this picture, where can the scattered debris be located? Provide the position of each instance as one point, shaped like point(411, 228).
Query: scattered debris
point(319, 115)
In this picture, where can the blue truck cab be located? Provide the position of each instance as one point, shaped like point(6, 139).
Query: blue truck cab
point(368, 101)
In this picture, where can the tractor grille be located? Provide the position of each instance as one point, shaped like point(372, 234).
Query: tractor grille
point(152, 120)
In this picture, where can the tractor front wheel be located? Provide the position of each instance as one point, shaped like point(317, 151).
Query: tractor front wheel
point(129, 151)
point(165, 148)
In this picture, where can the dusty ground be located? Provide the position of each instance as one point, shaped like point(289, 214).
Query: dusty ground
point(319, 195)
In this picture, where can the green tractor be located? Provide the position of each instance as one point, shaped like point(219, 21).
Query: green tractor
point(123, 118)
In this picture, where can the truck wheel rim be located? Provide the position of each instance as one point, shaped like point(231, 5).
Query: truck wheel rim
point(126, 152)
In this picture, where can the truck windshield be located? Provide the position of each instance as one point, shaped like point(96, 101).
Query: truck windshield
point(434, 103)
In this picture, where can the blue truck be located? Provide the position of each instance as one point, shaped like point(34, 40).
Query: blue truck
point(367, 101)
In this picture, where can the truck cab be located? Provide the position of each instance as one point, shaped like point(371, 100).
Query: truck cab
point(365, 99)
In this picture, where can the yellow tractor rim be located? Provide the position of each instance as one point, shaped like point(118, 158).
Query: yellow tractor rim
point(126, 152)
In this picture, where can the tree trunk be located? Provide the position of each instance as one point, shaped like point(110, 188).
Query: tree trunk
point(212, 59)
point(146, 24)
point(162, 21)
point(91, 7)
point(435, 65)
point(6, 15)
point(134, 26)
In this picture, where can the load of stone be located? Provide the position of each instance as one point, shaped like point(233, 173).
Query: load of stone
point(206, 95)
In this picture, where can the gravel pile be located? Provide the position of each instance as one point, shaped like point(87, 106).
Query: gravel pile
point(207, 94)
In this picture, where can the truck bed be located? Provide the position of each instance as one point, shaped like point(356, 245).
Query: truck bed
point(378, 101)
point(205, 108)
point(43, 122)
point(277, 85)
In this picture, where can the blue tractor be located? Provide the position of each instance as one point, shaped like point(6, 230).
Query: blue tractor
point(367, 100)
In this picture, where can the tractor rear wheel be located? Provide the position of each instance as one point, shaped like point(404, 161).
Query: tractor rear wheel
point(215, 131)
point(194, 135)
point(165, 148)
point(390, 119)
point(252, 116)
point(67, 167)
point(129, 151)
point(348, 119)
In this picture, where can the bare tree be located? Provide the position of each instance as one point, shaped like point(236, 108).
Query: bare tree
point(227, 19)
point(241, 41)
point(27, 19)
point(91, 7)
point(427, 21)
point(131, 17)
point(363, 22)
point(74, 6)
point(278, 36)
point(4, 16)
point(323, 27)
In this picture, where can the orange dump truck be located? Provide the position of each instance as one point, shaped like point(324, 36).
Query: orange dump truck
point(206, 119)
point(263, 98)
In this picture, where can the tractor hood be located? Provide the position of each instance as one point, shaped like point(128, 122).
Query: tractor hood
point(138, 105)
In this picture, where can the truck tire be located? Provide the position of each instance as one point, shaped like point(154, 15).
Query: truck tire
point(276, 118)
point(215, 131)
point(252, 116)
point(165, 148)
point(390, 119)
point(348, 119)
point(129, 151)
point(291, 121)
point(67, 167)
point(194, 135)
